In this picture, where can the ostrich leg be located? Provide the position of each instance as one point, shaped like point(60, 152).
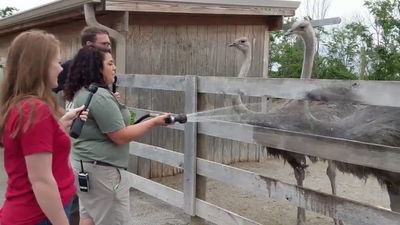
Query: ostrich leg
point(301, 212)
point(299, 164)
point(331, 172)
point(394, 196)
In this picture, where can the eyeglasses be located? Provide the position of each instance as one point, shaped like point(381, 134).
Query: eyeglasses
point(104, 44)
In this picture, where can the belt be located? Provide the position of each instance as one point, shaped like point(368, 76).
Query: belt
point(100, 163)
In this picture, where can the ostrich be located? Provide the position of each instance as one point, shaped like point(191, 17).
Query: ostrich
point(364, 123)
point(295, 160)
point(306, 32)
point(373, 124)
point(242, 44)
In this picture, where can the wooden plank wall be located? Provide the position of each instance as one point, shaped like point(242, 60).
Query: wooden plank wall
point(184, 45)
point(5, 42)
point(68, 34)
point(70, 43)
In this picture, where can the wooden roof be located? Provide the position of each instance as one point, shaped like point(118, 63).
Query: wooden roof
point(66, 9)
point(48, 13)
point(224, 7)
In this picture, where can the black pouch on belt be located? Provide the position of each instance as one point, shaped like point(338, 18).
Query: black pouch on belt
point(83, 180)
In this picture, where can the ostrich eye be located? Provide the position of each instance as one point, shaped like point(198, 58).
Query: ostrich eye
point(302, 27)
point(242, 41)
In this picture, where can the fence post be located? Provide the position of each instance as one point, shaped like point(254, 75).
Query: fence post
point(189, 165)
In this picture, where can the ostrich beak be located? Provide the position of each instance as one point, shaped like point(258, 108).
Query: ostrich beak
point(232, 44)
point(288, 33)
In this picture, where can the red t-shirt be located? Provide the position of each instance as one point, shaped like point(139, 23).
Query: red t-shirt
point(45, 134)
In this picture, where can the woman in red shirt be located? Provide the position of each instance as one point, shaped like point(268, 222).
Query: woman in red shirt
point(33, 131)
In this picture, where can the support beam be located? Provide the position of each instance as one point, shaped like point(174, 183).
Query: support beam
point(189, 174)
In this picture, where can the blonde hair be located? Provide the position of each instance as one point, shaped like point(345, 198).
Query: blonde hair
point(27, 74)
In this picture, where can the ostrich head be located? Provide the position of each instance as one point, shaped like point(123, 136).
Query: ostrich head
point(305, 30)
point(302, 28)
point(241, 44)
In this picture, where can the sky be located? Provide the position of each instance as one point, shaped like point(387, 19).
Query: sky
point(343, 8)
point(346, 9)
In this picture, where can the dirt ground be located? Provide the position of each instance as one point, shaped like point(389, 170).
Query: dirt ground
point(147, 210)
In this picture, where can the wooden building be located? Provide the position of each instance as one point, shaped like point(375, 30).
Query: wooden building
point(166, 37)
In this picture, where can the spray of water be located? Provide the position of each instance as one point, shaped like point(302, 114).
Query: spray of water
point(224, 113)
point(374, 124)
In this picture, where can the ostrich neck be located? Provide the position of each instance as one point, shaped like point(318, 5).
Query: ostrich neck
point(244, 69)
point(308, 61)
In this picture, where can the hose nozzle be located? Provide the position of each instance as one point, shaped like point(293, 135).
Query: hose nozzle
point(181, 118)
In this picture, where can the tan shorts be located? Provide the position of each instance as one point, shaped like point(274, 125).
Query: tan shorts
point(107, 201)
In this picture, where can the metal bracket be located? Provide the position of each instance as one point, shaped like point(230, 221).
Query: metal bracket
point(318, 23)
point(326, 22)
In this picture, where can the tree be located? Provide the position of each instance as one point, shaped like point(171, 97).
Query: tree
point(385, 54)
point(343, 49)
point(317, 9)
point(348, 51)
point(286, 55)
point(7, 11)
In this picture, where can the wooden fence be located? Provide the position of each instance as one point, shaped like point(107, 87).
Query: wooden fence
point(380, 93)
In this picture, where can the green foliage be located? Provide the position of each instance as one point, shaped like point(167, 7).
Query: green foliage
point(331, 68)
point(286, 56)
point(133, 117)
point(340, 49)
point(342, 60)
point(7, 11)
point(385, 54)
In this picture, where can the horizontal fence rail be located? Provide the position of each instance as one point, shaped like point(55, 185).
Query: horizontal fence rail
point(383, 93)
point(322, 203)
point(349, 151)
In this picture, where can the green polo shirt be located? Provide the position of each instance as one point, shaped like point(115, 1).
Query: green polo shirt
point(106, 115)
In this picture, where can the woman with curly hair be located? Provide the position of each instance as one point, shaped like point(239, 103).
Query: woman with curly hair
point(102, 149)
point(33, 131)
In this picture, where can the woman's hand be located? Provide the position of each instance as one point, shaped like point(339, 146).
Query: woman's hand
point(69, 117)
point(117, 95)
point(160, 120)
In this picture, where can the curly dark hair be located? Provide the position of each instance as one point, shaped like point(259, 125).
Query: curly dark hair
point(86, 68)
